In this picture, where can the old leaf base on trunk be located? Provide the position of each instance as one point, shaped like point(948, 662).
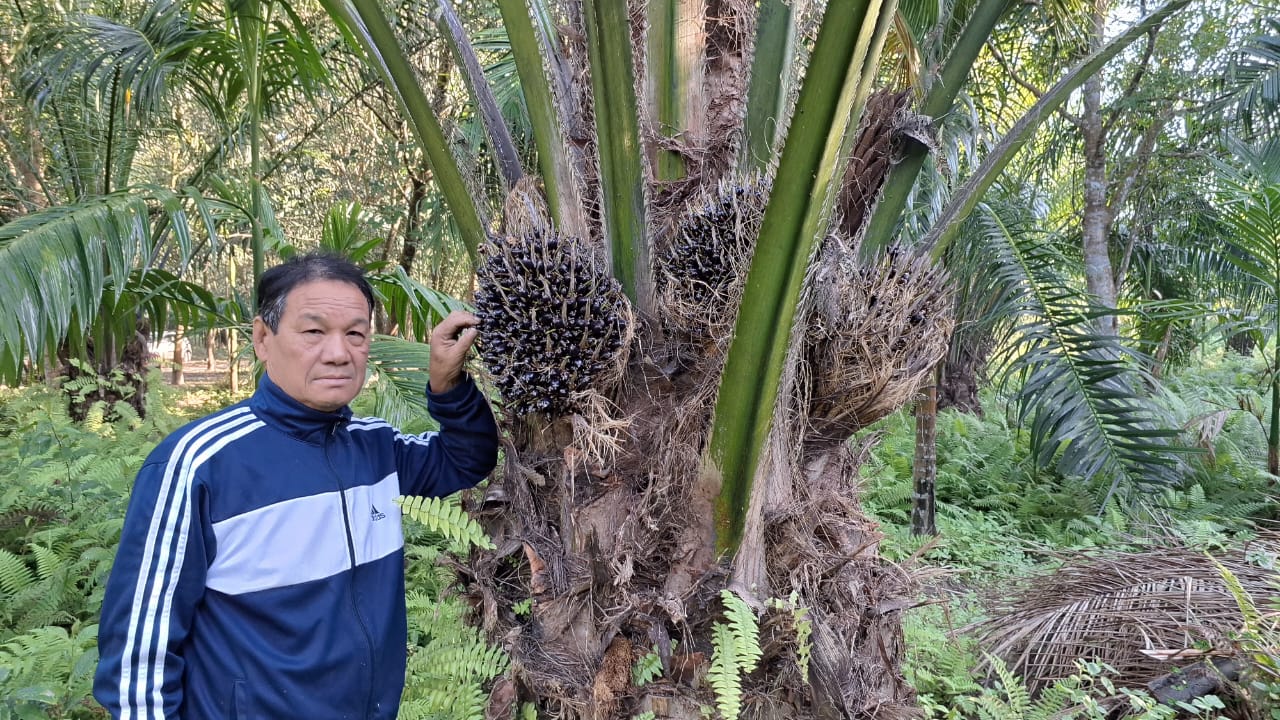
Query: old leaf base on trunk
point(602, 524)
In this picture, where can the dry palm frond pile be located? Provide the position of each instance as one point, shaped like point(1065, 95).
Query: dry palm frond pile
point(700, 273)
point(876, 331)
point(555, 324)
point(1143, 613)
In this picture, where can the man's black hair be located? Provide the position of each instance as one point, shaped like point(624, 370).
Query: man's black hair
point(277, 282)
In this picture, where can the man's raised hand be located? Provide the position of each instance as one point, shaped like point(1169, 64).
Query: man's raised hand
point(450, 340)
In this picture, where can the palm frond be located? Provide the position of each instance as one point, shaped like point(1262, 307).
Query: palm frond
point(1079, 387)
point(56, 263)
point(1251, 86)
point(412, 306)
point(399, 369)
point(99, 55)
point(1112, 606)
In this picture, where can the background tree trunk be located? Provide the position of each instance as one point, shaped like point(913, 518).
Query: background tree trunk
point(924, 469)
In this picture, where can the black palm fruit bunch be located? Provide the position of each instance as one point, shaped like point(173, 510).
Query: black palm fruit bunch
point(554, 323)
point(701, 272)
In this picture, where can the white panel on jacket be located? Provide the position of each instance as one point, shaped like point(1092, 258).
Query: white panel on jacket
point(279, 545)
point(375, 519)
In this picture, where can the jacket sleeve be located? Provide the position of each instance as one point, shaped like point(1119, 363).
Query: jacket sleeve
point(156, 583)
point(461, 454)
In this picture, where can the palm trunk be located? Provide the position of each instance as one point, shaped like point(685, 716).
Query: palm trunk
point(1099, 276)
point(179, 358)
point(1273, 432)
point(924, 470)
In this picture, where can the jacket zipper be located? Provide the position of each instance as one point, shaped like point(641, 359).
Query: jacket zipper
point(351, 553)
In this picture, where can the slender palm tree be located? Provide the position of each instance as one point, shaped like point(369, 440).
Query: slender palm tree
point(97, 84)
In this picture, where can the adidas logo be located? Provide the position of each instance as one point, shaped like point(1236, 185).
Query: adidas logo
point(374, 515)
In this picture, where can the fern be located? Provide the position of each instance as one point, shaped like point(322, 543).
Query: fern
point(446, 516)
point(15, 576)
point(646, 669)
point(1018, 698)
point(724, 676)
point(736, 652)
point(445, 676)
point(746, 633)
point(47, 671)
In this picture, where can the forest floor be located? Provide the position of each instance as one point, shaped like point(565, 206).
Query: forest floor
point(197, 372)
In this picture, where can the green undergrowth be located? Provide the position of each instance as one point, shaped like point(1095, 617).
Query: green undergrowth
point(1000, 516)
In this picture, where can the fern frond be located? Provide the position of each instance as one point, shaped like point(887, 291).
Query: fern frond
point(746, 632)
point(1019, 698)
point(446, 516)
point(723, 675)
point(15, 575)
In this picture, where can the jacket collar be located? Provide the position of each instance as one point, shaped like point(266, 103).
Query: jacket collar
point(279, 409)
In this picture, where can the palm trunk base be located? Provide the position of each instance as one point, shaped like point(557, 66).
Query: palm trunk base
point(612, 555)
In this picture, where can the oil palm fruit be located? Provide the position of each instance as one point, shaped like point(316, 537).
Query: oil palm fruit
point(701, 272)
point(554, 322)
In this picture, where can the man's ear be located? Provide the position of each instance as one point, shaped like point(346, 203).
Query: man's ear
point(260, 333)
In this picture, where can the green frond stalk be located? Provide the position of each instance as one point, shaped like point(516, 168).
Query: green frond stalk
point(618, 140)
point(501, 144)
point(939, 98)
point(673, 68)
point(966, 198)
point(251, 21)
point(528, 45)
point(828, 109)
point(769, 87)
point(363, 21)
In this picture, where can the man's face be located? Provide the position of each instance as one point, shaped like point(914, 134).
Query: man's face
point(319, 353)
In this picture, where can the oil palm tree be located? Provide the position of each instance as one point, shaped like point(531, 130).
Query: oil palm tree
point(716, 458)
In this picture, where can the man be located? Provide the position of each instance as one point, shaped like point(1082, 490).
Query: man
point(261, 570)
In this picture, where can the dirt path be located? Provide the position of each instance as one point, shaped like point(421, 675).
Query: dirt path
point(196, 373)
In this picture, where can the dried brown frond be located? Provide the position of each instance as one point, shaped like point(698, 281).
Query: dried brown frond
point(1133, 611)
point(871, 158)
point(876, 330)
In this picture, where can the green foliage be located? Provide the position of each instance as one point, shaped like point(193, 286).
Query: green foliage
point(737, 652)
point(449, 663)
point(63, 489)
point(1088, 695)
point(646, 668)
point(1259, 640)
point(446, 676)
point(446, 517)
point(939, 661)
point(48, 672)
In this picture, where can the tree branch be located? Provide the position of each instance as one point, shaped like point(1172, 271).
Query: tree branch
point(1025, 84)
point(1129, 90)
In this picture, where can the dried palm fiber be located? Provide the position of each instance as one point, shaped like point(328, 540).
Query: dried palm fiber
point(1121, 608)
point(700, 274)
point(555, 325)
point(871, 158)
point(877, 328)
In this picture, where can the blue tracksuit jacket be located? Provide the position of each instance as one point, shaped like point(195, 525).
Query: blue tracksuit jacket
point(261, 568)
